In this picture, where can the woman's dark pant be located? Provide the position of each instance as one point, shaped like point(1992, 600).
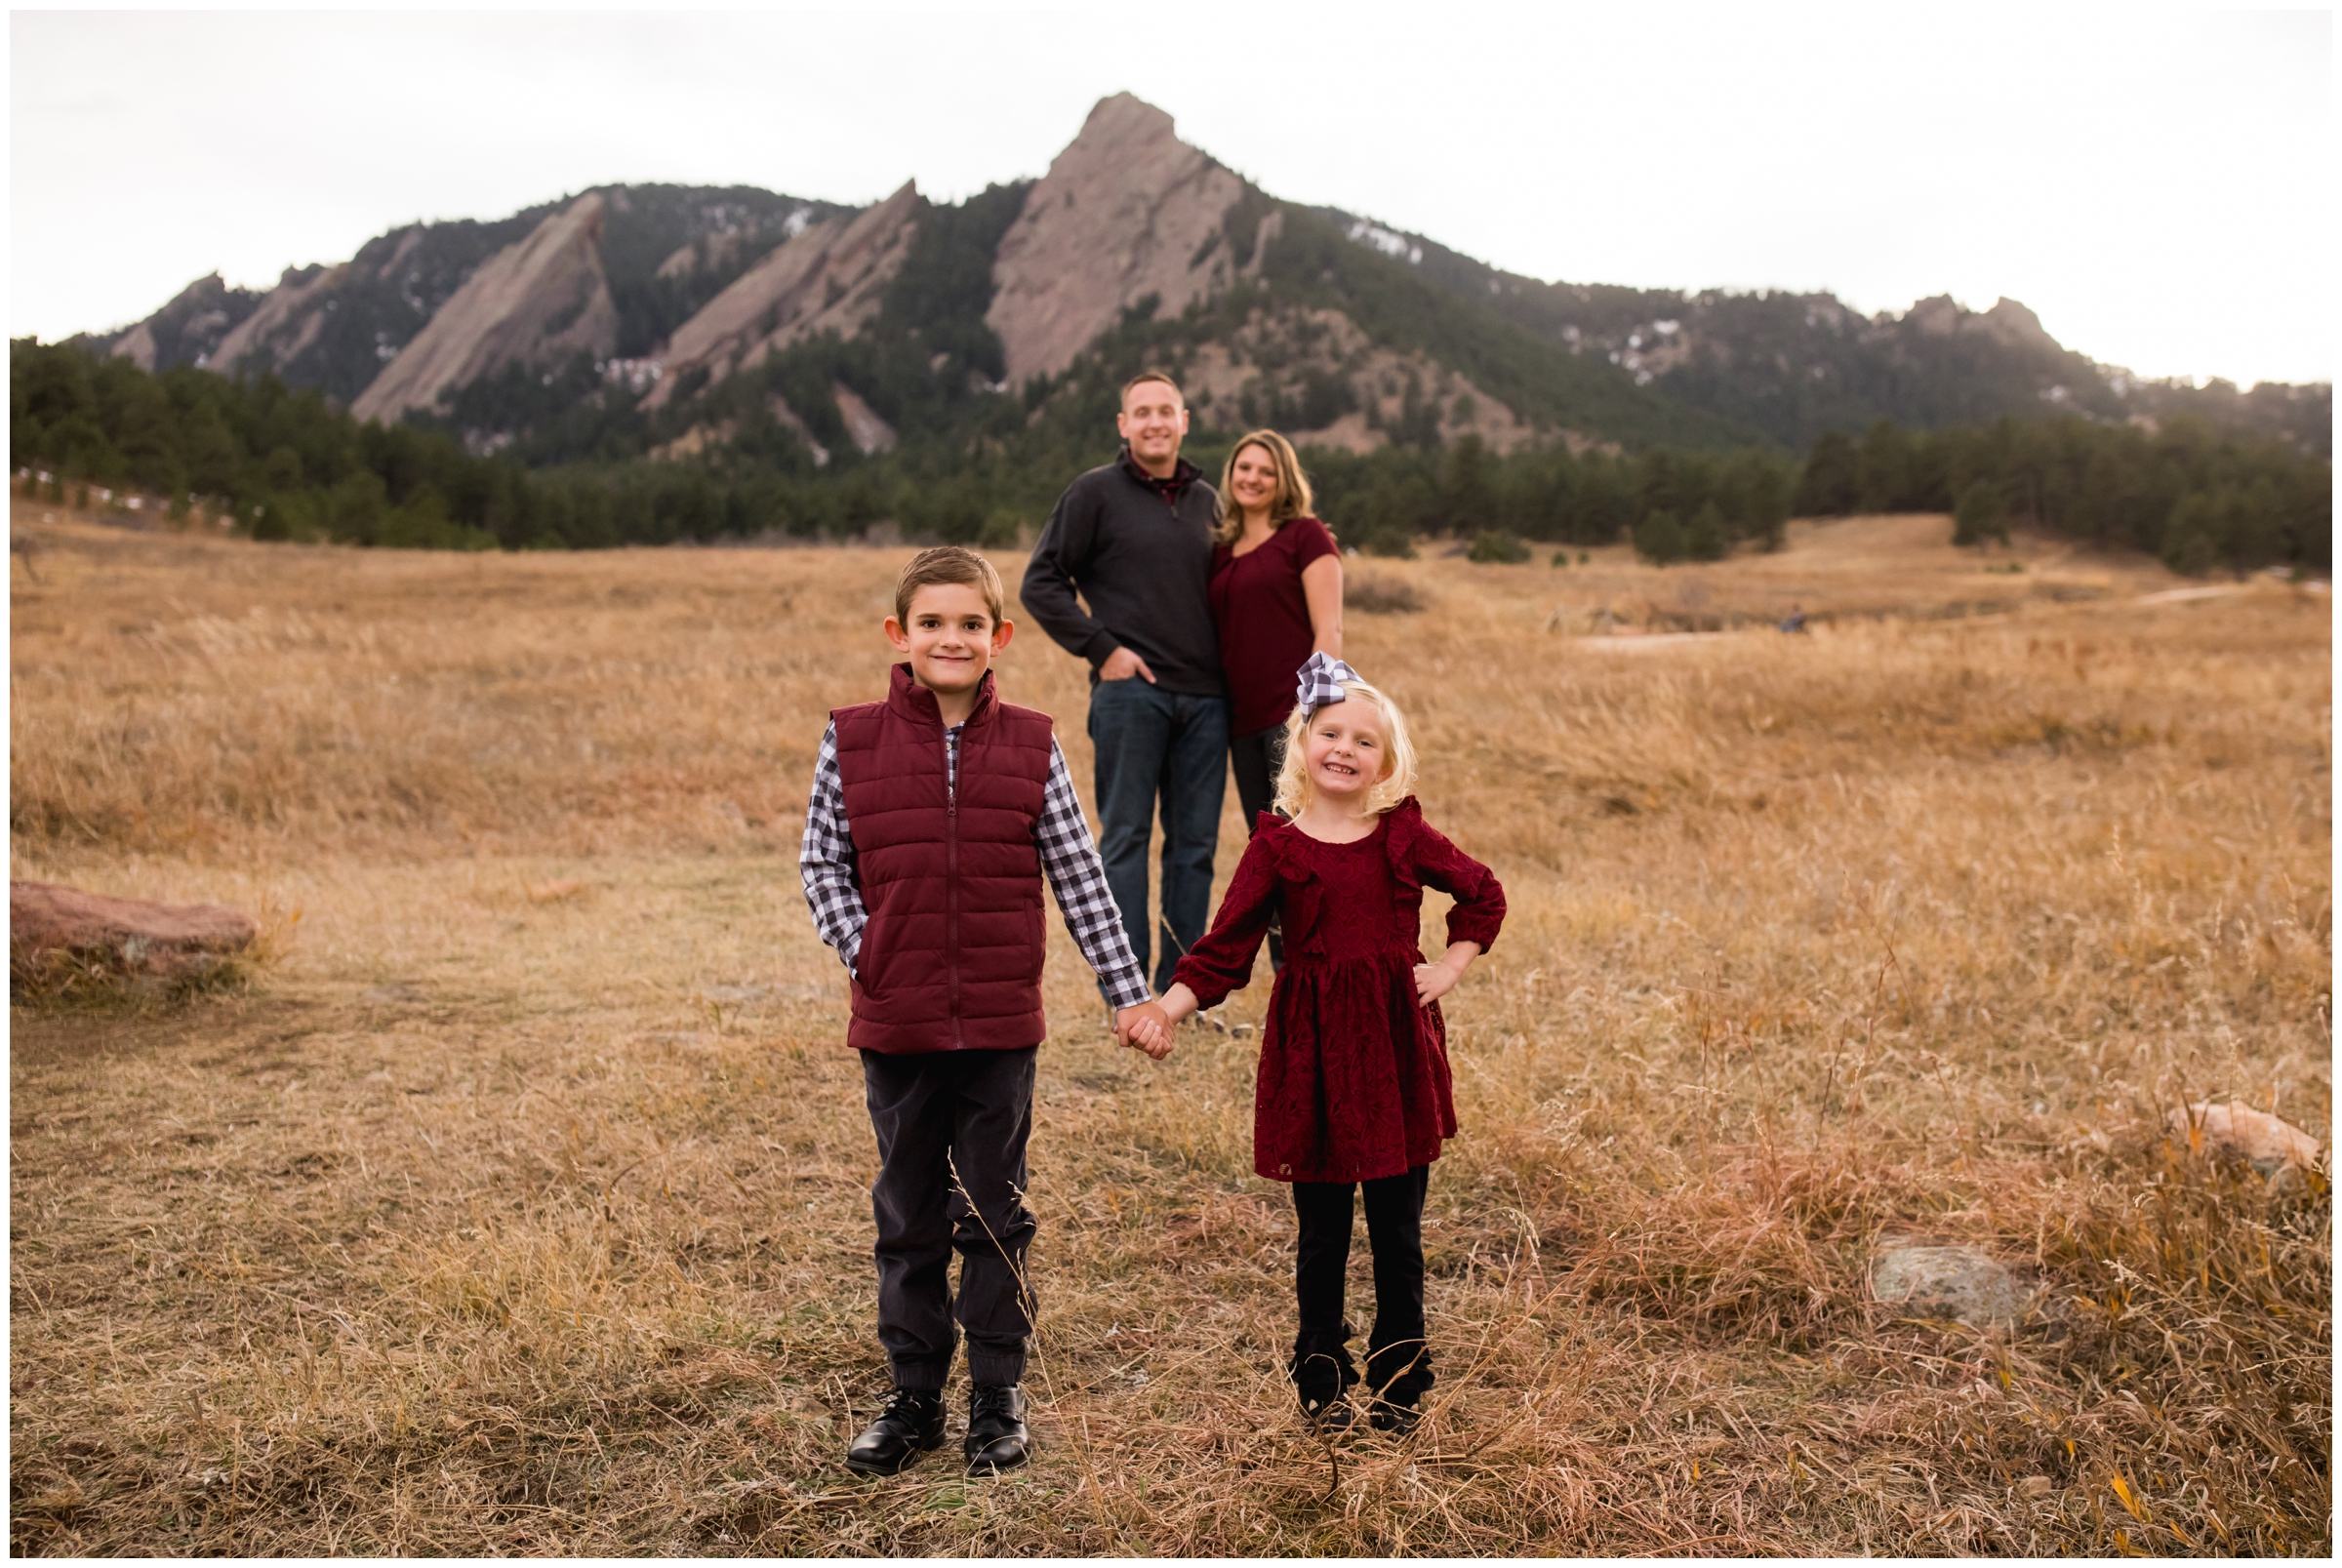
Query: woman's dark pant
point(1256, 759)
point(951, 1130)
point(1398, 1363)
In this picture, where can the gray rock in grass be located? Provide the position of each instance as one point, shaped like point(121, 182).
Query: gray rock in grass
point(1956, 1282)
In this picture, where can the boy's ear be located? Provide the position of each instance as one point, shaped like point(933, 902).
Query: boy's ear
point(1001, 633)
point(897, 636)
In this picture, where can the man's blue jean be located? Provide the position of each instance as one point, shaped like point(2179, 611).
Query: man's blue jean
point(1155, 744)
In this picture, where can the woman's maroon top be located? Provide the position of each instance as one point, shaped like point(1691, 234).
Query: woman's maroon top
point(1353, 1081)
point(1264, 621)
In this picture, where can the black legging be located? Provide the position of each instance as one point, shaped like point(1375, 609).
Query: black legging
point(1398, 1361)
point(1256, 759)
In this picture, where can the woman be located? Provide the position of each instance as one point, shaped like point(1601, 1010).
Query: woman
point(1276, 598)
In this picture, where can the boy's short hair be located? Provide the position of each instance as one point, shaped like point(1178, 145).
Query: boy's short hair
point(1146, 376)
point(947, 563)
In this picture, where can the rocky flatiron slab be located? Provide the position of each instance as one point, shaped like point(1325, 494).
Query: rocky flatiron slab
point(55, 931)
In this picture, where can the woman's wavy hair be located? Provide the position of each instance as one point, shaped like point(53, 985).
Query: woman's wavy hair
point(1397, 782)
point(1292, 500)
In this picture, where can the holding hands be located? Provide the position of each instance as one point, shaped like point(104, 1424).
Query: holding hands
point(1144, 1027)
point(1148, 1027)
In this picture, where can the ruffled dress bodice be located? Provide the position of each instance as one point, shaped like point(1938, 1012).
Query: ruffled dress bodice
point(1353, 1079)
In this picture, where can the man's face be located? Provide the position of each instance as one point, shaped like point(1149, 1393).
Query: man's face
point(1153, 420)
point(951, 637)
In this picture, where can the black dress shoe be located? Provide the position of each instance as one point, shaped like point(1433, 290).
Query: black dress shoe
point(997, 1436)
point(911, 1423)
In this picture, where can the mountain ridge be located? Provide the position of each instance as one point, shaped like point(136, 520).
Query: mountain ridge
point(626, 311)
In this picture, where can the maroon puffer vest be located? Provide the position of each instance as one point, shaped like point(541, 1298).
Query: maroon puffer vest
point(952, 957)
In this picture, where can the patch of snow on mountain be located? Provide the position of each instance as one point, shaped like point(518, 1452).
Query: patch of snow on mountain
point(1389, 243)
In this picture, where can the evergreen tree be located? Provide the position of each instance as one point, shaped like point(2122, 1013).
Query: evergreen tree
point(1704, 539)
point(1981, 514)
point(2191, 542)
point(1885, 464)
point(2255, 526)
point(1769, 505)
point(1659, 538)
point(1469, 497)
point(1831, 485)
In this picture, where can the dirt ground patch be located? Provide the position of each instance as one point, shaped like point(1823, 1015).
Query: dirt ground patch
point(489, 1220)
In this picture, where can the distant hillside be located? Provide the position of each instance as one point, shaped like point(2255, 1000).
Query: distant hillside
point(736, 325)
point(1797, 366)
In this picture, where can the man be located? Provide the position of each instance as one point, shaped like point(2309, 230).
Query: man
point(1134, 538)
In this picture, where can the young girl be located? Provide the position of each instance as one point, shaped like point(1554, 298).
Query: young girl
point(1354, 1079)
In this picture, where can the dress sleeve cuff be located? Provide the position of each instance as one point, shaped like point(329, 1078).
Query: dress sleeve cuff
point(1208, 989)
point(1483, 932)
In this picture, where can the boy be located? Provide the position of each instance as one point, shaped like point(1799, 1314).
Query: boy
point(934, 814)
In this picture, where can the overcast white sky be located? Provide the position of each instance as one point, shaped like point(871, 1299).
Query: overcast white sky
point(2159, 188)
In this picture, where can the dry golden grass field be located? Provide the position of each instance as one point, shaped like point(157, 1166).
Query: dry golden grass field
point(516, 1202)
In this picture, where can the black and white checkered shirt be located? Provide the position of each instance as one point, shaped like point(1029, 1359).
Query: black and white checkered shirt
point(1069, 856)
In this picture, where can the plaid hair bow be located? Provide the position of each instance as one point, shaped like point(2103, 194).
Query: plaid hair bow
point(1321, 681)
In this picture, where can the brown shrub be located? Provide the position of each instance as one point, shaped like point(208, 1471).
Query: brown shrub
point(1382, 595)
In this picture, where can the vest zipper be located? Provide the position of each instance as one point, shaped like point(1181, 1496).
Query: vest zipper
point(951, 883)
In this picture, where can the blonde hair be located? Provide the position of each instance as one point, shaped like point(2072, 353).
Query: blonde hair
point(1292, 498)
point(1397, 782)
point(951, 564)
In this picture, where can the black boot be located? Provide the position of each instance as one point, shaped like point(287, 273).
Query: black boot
point(1398, 1376)
point(911, 1423)
point(1322, 1374)
point(1328, 1413)
point(997, 1436)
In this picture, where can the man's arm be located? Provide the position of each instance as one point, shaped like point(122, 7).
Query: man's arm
point(1059, 558)
point(826, 859)
point(1078, 879)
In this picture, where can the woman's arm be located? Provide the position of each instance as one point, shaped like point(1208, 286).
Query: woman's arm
point(1322, 586)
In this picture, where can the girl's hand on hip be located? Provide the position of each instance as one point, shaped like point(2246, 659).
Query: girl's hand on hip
point(1432, 981)
point(1435, 980)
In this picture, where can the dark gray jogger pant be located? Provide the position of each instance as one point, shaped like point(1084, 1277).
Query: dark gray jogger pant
point(934, 1114)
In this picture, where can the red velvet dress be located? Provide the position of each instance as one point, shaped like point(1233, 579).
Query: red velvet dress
point(1354, 1079)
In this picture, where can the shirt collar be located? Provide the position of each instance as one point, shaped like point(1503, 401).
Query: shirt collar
point(1183, 474)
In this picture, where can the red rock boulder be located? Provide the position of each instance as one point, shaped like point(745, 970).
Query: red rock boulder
point(2270, 1144)
point(53, 930)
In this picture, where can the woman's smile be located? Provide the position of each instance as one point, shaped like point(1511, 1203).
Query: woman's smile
point(1253, 480)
